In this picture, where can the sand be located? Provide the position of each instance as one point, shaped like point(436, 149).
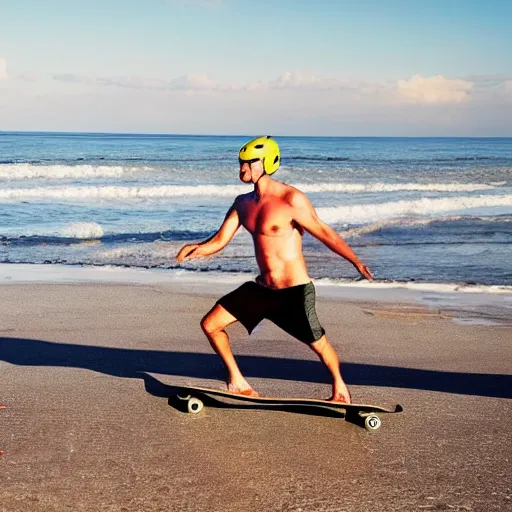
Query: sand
point(87, 429)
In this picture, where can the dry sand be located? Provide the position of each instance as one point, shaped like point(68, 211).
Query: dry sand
point(86, 429)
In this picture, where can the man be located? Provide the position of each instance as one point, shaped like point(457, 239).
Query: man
point(276, 216)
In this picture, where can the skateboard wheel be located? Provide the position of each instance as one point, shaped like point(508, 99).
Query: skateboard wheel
point(183, 396)
point(372, 423)
point(194, 405)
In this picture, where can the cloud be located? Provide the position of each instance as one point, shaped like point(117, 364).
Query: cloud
point(69, 78)
point(289, 80)
point(129, 82)
point(505, 91)
point(3, 70)
point(193, 83)
point(301, 80)
point(183, 83)
point(434, 90)
point(115, 109)
point(28, 76)
point(418, 90)
point(132, 82)
point(484, 80)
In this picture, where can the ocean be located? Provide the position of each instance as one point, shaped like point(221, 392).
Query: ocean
point(415, 210)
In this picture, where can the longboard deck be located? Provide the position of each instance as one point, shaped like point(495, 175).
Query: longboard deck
point(291, 401)
point(365, 414)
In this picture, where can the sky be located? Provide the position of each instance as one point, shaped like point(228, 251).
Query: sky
point(285, 67)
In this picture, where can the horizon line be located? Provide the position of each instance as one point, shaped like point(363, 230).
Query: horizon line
point(162, 134)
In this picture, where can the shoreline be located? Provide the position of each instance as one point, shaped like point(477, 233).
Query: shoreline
point(465, 304)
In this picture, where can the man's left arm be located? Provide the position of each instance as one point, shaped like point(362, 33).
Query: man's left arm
point(305, 215)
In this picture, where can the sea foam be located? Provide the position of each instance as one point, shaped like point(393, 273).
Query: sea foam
point(83, 230)
point(63, 172)
point(426, 206)
point(162, 191)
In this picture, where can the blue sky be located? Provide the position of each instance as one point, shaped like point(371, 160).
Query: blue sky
point(234, 66)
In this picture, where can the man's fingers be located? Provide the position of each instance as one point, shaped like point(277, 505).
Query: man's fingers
point(190, 251)
point(181, 255)
point(369, 275)
point(186, 252)
point(365, 272)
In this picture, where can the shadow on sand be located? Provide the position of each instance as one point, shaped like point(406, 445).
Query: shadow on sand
point(134, 363)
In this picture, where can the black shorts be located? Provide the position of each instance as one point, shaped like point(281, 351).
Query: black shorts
point(292, 309)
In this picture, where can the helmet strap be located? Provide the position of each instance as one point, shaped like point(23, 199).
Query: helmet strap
point(263, 174)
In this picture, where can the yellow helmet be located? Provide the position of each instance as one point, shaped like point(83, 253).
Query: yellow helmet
point(264, 149)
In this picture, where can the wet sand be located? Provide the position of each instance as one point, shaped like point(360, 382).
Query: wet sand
point(87, 429)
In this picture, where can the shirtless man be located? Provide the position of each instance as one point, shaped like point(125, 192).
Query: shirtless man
point(276, 216)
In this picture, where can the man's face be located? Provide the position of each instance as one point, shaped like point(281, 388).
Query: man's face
point(251, 170)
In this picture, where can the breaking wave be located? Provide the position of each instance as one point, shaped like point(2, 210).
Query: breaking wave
point(83, 230)
point(162, 191)
point(394, 187)
point(60, 172)
point(421, 207)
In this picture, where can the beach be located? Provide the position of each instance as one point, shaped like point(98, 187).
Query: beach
point(88, 359)
point(350, 168)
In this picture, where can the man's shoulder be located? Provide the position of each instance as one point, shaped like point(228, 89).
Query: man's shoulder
point(293, 195)
point(241, 198)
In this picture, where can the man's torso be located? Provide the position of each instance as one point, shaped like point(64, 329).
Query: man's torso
point(277, 237)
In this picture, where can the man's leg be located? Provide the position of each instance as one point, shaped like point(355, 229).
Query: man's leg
point(328, 356)
point(214, 326)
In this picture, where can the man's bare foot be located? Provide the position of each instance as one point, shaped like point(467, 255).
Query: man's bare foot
point(341, 394)
point(341, 399)
point(243, 389)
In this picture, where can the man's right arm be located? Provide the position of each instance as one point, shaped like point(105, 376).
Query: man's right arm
point(216, 242)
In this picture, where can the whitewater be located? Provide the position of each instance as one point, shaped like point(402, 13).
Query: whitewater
point(425, 211)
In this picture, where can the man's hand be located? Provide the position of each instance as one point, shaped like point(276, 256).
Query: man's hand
point(364, 271)
point(216, 242)
point(186, 252)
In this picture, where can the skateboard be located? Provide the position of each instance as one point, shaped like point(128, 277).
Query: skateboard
point(369, 415)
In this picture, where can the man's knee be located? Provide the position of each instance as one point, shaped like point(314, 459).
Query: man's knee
point(213, 322)
point(320, 345)
point(216, 320)
point(207, 324)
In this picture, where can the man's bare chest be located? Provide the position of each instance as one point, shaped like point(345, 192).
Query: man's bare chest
point(272, 218)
